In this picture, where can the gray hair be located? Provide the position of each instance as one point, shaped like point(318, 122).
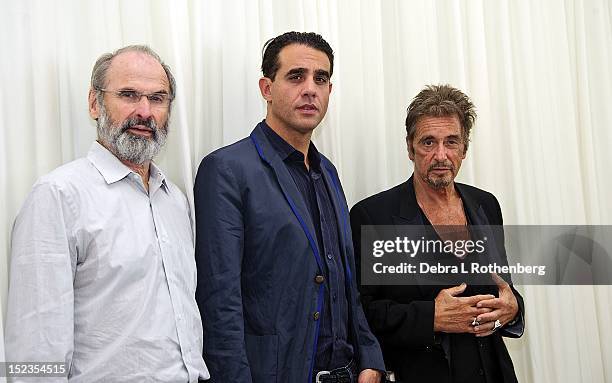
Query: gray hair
point(98, 74)
point(441, 101)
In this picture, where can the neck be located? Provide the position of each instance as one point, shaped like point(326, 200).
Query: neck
point(141, 170)
point(299, 140)
point(426, 194)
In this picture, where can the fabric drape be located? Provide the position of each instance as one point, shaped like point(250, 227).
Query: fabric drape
point(538, 72)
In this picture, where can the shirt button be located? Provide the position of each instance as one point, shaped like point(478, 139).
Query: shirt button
point(481, 372)
point(316, 315)
point(319, 279)
point(334, 297)
point(329, 256)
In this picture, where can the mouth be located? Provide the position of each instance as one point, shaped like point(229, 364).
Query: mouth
point(308, 109)
point(141, 130)
point(440, 170)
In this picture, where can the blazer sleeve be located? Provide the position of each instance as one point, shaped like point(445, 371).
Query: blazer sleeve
point(219, 252)
point(516, 327)
point(395, 324)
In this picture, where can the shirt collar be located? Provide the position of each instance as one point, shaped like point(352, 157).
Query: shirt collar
point(288, 152)
point(113, 170)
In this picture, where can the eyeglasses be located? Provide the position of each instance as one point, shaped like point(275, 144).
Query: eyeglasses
point(156, 99)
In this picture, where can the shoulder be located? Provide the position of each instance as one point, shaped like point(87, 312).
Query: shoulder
point(238, 154)
point(59, 191)
point(68, 178)
point(383, 199)
point(480, 195)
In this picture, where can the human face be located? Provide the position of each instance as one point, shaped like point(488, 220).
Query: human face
point(298, 96)
point(437, 150)
point(133, 131)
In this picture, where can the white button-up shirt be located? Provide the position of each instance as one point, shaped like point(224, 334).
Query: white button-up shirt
point(103, 276)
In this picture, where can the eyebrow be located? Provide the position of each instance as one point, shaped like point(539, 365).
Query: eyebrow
point(130, 89)
point(296, 71)
point(304, 70)
point(429, 137)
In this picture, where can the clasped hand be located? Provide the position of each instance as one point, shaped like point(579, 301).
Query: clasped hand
point(453, 314)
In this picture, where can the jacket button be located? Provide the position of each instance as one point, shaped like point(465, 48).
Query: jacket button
point(427, 348)
point(319, 279)
point(316, 315)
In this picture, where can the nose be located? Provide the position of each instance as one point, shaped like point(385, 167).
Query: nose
point(310, 88)
point(440, 152)
point(143, 108)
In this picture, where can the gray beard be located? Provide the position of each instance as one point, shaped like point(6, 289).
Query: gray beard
point(126, 146)
point(439, 183)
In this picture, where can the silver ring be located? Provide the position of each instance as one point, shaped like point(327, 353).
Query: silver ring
point(497, 325)
point(475, 322)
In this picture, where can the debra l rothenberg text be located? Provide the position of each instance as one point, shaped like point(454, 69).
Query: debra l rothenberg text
point(463, 268)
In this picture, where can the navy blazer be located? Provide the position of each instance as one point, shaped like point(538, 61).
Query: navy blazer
point(257, 259)
point(402, 316)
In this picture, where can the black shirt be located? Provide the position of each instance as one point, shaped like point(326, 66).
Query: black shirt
point(333, 347)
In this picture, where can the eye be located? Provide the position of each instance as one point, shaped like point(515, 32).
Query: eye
point(157, 98)
point(428, 143)
point(129, 95)
point(321, 79)
point(453, 143)
point(295, 77)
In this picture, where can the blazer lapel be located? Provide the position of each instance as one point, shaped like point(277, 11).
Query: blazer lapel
point(479, 225)
point(408, 213)
point(287, 185)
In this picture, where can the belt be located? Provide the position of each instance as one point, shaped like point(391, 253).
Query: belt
point(346, 374)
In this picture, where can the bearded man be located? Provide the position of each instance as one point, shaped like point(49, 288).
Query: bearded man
point(102, 270)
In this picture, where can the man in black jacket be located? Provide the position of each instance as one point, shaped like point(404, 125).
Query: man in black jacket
point(433, 333)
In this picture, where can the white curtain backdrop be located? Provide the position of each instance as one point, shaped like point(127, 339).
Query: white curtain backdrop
point(539, 73)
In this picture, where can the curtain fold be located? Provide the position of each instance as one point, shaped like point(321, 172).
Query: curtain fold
point(538, 73)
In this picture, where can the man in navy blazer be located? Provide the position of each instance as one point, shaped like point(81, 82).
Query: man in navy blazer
point(275, 260)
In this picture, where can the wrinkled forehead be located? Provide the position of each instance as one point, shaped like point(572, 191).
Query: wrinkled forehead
point(438, 126)
point(136, 70)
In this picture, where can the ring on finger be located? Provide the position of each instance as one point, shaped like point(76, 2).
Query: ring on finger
point(497, 325)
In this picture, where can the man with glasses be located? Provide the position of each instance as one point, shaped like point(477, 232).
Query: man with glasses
point(102, 268)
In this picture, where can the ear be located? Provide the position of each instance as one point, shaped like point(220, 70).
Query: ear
point(94, 109)
point(410, 149)
point(330, 87)
point(265, 85)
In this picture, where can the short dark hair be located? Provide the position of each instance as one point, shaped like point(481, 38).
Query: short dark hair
point(441, 101)
point(272, 48)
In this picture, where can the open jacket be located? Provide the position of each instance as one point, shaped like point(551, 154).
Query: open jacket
point(257, 259)
point(402, 316)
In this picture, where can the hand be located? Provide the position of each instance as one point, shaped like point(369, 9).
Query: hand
point(369, 376)
point(503, 308)
point(456, 314)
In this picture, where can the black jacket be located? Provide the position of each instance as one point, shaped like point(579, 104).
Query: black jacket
point(402, 316)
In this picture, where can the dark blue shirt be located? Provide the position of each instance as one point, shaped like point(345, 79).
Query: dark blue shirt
point(333, 347)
